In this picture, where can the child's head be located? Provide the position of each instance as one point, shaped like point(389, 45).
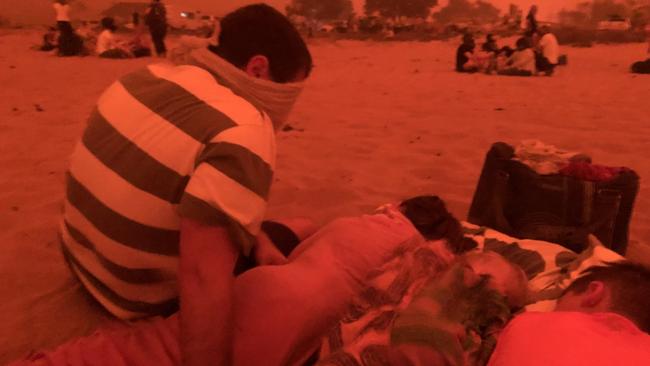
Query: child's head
point(430, 217)
point(503, 276)
point(109, 24)
point(522, 43)
point(262, 34)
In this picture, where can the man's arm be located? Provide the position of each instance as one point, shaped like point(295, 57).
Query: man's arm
point(206, 278)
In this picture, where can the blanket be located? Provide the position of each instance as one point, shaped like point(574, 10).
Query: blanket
point(418, 300)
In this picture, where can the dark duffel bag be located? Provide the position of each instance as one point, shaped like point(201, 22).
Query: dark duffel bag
point(512, 198)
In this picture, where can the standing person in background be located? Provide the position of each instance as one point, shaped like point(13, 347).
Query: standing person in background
point(532, 26)
point(62, 9)
point(531, 22)
point(156, 20)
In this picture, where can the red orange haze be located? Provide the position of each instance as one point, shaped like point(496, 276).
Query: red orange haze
point(378, 121)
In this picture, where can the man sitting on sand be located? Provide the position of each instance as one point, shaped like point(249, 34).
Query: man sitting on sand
point(603, 318)
point(170, 182)
point(548, 51)
point(521, 62)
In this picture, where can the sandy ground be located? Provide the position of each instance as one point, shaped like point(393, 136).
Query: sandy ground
point(378, 122)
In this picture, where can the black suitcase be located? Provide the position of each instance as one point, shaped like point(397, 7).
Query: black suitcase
point(512, 198)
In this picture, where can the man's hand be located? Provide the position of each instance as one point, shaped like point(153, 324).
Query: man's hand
point(266, 253)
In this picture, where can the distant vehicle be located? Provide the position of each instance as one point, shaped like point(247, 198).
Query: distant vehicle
point(190, 20)
point(615, 23)
point(327, 28)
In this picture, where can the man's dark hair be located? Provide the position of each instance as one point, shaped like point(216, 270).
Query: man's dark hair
point(430, 217)
point(261, 30)
point(630, 286)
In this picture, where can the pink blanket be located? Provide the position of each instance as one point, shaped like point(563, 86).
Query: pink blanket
point(571, 339)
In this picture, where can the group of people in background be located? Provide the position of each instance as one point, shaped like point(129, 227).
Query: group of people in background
point(536, 52)
point(84, 40)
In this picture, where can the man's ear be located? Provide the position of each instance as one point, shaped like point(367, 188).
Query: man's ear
point(258, 67)
point(595, 295)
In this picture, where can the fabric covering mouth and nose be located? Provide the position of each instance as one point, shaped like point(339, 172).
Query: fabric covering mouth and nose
point(275, 99)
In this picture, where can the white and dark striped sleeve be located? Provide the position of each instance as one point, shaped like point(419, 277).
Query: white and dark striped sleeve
point(230, 185)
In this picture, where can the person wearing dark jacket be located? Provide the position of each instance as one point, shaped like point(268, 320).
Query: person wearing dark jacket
point(156, 20)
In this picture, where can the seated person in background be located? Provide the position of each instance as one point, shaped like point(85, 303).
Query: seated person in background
point(85, 31)
point(107, 45)
point(548, 53)
point(641, 67)
point(49, 39)
point(465, 55)
point(70, 43)
point(490, 45)
point(486, 58)
point(139, 44)
point(603, 318)
point(522, 61)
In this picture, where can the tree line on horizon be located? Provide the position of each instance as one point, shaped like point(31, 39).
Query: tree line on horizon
point(590, 13)
point(339, 9)
point(587, 13)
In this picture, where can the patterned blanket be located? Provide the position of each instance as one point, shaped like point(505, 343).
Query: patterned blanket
point(421, 298)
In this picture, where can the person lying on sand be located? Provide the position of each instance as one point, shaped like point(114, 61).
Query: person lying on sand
point(601, 319)
point(521, 62)
point(641, 67)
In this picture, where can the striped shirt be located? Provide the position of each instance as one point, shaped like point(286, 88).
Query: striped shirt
point(163, 143)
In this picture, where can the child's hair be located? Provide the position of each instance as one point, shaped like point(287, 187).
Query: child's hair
point(522, 43)
point(516, 286)
point(261, 30)
point(430, 217)
point(519, 294)
point(109, 23)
